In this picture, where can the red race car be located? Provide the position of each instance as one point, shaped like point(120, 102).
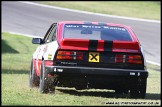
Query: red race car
point(88, 55)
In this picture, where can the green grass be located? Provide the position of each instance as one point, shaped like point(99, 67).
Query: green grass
point(138, 9)
point(16, 57)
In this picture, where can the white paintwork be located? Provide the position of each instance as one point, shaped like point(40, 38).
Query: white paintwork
point(51, 49)
point(40, 51)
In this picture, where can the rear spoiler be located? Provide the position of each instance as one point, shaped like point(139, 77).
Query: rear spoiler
point(74, 44)
point(100, 45)
point(126, 46)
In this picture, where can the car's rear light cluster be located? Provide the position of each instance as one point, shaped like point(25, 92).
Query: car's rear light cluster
point(119, 58)
point(69, 55)
point(136, 59)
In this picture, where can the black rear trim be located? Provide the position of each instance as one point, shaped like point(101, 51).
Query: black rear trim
point(97, 71)
point(93, 45)
point(108, 45)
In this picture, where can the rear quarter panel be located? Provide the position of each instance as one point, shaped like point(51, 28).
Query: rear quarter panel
point(51, 49)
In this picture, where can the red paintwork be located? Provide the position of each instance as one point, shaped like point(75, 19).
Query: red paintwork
point(125, 46)
point(48, 62)
point(78, 44)
point(37, 70)
point(100, 46)
point(74, 44)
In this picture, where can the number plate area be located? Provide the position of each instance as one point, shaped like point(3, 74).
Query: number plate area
point(94, 57)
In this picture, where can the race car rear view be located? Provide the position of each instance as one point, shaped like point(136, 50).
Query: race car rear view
point(88, 55)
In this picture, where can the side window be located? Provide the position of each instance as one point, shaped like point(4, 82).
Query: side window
point(54, 33)
point(51, 35)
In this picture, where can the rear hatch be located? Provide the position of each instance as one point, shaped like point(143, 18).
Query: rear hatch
point(98, 45)
point(99, 53)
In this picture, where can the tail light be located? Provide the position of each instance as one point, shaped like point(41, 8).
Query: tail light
point(119, 58)
point(135, 59)
point(69, 55)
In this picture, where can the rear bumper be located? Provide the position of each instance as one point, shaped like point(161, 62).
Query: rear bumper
point(96, 71)
point(99, 78)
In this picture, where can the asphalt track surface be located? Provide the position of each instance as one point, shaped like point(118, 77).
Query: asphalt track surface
point(35, 20)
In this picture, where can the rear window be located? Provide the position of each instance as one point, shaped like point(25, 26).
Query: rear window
point(95, 32)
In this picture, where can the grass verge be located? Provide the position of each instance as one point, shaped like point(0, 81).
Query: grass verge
point(138, 9)
point(16, 56)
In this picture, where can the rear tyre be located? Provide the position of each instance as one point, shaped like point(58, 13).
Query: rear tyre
point(134, 93)
point(143, 88)
point(46, 83)
point(43, 80)
point(33, 78)
point(52, 84)
point(140, 90)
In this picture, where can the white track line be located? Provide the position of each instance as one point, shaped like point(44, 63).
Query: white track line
point(79, 11)
point(154, 63)
point(151, 62)
point(22, 34)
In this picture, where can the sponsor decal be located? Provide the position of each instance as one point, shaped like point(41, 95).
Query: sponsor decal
point(138, 73)
point(94, 56)
point(132, 73)
point(108, 45)
point(91, 26)
point(58, 70)
point(49, 56)
point(93, 45)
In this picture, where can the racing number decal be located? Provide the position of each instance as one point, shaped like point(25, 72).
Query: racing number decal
point(94, 57)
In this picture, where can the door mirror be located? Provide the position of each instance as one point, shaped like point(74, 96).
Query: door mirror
point(37, 41)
